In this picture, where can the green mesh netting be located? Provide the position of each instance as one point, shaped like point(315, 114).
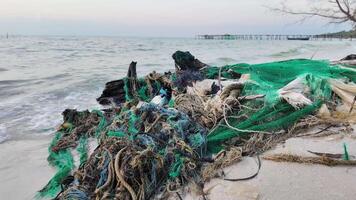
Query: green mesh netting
point(346, 153)
point(132, 125)
point(102, 124)
point(267, 79)
point(176, 168)
point(63, 162)
point(171, 103)
point(283, 72)
point(143, 92)
point(116, 134)
point(83, 150)
point(128, 97)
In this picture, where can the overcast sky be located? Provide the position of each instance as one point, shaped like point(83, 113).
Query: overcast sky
point(152, 17)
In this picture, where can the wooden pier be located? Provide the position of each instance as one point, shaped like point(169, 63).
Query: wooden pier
point(270, 37)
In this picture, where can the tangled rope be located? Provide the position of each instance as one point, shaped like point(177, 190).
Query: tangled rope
point(152, 150)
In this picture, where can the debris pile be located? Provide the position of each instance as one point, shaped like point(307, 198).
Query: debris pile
point(163, 132)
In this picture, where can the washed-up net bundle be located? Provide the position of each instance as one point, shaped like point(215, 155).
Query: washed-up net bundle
point(139, 151)
point(274, 112)
point(146, 150)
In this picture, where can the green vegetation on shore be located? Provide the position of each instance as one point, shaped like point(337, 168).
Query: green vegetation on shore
point(343, 34)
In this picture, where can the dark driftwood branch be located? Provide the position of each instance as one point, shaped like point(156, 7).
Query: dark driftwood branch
point(114, 91)
point(132, 78)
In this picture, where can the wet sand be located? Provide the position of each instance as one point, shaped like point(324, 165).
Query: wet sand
point(24, 170)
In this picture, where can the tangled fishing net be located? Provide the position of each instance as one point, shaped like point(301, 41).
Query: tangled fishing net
point(163, 132)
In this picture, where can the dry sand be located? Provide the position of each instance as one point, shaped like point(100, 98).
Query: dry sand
point(290, 181)
point(24, 170)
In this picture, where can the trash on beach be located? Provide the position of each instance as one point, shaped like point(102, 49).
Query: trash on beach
point(164, 131)
point(321, 160)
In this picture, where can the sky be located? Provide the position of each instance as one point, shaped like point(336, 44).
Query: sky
point(156, 18)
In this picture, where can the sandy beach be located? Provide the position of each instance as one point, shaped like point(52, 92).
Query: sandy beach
point(278, 181)
point(29, 128)
point(24, 170)
point(178, 100)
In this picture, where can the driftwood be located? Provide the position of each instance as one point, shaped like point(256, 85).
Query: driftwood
point(331, 155)
point(132, 78)
point(114, 91)
point(321, 160)
point(186, 61)
point(111, 91)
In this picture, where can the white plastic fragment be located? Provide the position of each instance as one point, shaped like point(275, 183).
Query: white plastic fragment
point(293, 93)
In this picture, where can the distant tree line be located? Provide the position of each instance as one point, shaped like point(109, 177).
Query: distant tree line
point(342, 34)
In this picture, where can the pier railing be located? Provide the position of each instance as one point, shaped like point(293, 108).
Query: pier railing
point(271, 37)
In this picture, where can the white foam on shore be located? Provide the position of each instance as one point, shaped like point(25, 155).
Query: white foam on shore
point(3, 135)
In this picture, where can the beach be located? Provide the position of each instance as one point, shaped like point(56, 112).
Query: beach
point(42, 76)
point(24, 170)
point(291, 181)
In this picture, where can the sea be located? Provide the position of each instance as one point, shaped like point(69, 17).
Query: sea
point(40, 76)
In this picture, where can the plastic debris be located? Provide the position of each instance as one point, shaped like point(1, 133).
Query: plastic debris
point(161, 132)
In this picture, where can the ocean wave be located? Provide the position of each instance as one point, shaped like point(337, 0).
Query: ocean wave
point(41, 113)
point(226, 60)
point(310, 45)
point(152, 65)
point(11, 82)
point(56, 77)
point(22, 66)
point(62, 49)
point(5, 93)
point(290, 52)
point(107, 51)
point(3, 135)
point(144, 49)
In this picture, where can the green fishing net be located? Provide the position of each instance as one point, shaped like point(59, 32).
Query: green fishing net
point(268, 114)
point(63, 159)
point(266, 79)
point(63, 162)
